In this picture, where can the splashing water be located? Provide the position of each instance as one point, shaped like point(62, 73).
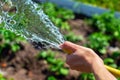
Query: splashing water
point(26, 18)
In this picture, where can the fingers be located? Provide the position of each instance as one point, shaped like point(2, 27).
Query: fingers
point(69, 47)
point(81, 68)
point(76, 56)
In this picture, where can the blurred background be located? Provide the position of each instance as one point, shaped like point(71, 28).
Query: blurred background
point(91, 23)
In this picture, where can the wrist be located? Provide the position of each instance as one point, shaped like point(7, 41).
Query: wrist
point(100, 72)
point(97, 66)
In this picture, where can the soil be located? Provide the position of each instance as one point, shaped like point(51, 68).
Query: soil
point(79, 27)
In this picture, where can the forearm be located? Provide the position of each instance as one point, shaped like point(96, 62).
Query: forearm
point(101, 73)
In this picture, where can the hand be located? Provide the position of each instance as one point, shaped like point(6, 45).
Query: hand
point(85, 60)
point(82, 58)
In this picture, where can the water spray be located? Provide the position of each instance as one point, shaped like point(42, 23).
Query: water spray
point(26, 18)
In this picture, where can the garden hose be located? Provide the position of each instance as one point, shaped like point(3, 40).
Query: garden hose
point(114, 71)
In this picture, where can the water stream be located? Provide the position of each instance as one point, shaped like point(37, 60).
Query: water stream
point(26, 18)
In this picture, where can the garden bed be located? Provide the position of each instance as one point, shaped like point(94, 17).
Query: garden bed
point(22, 61)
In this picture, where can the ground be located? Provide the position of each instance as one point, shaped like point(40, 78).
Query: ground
point(24, 66)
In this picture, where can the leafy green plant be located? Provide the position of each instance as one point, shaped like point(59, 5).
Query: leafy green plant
point(72, 37)
point(110, 62)
point(108, 24)
point(87, 76)
point(51, 78)
point(98, 42)
point(9, 40)
point(115, 55)
point(59, 16)
point(55, 65)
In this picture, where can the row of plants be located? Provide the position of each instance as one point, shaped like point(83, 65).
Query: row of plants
point(112, 4)
point(107, 30)
point(106, 33)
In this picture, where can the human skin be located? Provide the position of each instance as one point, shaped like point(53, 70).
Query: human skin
point(85, 60)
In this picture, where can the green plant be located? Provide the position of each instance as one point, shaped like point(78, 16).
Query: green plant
point(110, 62)
point(115, 55)
point(9, 39)
point(56, 65)
point(51, 78)
point(59, 16)
point(87, 76)
point(72, 37)
point(98, 42)
point(108, 24)
point(2, 78)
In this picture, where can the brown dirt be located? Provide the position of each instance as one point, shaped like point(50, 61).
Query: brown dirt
point(79, 27)
point(24, 65)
